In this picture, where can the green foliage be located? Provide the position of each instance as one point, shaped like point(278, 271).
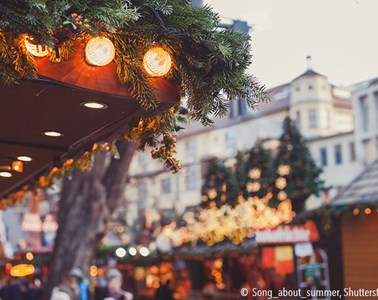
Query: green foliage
point(257, 159)
point(208, 62)
point(303, 179)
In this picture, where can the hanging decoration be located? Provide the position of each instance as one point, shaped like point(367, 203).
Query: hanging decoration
point(99, 51)
point(166, 151)
point(157, 62)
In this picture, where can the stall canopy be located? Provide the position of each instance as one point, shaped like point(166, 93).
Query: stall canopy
point(55, 103)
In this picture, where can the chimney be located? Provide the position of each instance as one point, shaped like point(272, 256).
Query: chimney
point(309, 62)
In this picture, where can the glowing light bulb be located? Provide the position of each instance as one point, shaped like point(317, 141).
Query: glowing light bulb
point(132, 251)
point(157, 62)
point(99, 51)
point(36, 50)
point(17, 166)
point(120, 252)
point(144, 251)
point(29, 256)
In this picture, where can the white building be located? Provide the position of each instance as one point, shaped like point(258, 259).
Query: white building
point(365, 107)
point(323, 113)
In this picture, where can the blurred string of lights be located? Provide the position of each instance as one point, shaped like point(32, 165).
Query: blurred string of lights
point(214, 224)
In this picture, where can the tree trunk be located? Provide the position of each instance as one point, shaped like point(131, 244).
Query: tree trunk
point(86, 204)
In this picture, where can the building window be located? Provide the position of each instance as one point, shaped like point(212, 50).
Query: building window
point(166, 186)
point(230, 139)
point(312, 118)
point(364, 113)
point(191, 148)
point(323, 157)
point(352, 149)
point(310, 87)
point(191, 179)
point(298, 119)
point(338, 155)
point(242, 107)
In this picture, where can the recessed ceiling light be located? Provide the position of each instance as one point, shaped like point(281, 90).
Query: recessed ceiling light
point(52, 133)
point(5, 174)
point(94, 105)
point(24, 158)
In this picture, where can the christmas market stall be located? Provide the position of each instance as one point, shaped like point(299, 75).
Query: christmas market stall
point(359, 229)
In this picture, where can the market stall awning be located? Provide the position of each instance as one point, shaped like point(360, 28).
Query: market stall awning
point(55, 102)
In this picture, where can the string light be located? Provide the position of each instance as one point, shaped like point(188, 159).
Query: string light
point(367, 211)
point(29, 256)
point(254, 173)
point(99, 51)
point(356, 211)
point(282, 195)
point(22, 270)
point(93, 271)
point(214, 224)
point(281, 183)
point(36, 50)
point(17, 166)
point(283, 170)
point(157, 62)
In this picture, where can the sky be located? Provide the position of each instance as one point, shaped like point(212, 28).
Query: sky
point(340, 35)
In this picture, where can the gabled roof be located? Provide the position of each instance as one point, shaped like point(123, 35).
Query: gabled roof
point(363, 189)
point(309, 72)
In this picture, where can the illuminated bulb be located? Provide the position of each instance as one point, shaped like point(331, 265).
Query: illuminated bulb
point(93, 271)
point(356, 211)
point(281, 183)
point(132, 251)
point(367, 211)
point(36, 50)
point(157, 62)
point(254, 173)
point(282, 195)
point(5, 174)
point(29, 256)
point(283, 170)
point(17, 166)
point(120, 252)
point(212, 194)
point(52, 133)
point(95, 105)
point(99, 51)
point(24, 158)
point(144, 251)
point(22, 270)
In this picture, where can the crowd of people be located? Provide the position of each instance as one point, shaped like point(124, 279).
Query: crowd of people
point(74, 286)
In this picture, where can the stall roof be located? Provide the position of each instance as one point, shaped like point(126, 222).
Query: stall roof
point(363, 189)
point(54, 102)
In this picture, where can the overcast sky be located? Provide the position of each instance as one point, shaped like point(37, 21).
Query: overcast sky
point(340, 35)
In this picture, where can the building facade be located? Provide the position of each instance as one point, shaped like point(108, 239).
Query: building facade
point(323, 113)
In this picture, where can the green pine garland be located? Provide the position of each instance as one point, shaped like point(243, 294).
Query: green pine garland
point(206, 61)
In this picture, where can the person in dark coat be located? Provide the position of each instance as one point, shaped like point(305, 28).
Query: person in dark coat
point(164, 292)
